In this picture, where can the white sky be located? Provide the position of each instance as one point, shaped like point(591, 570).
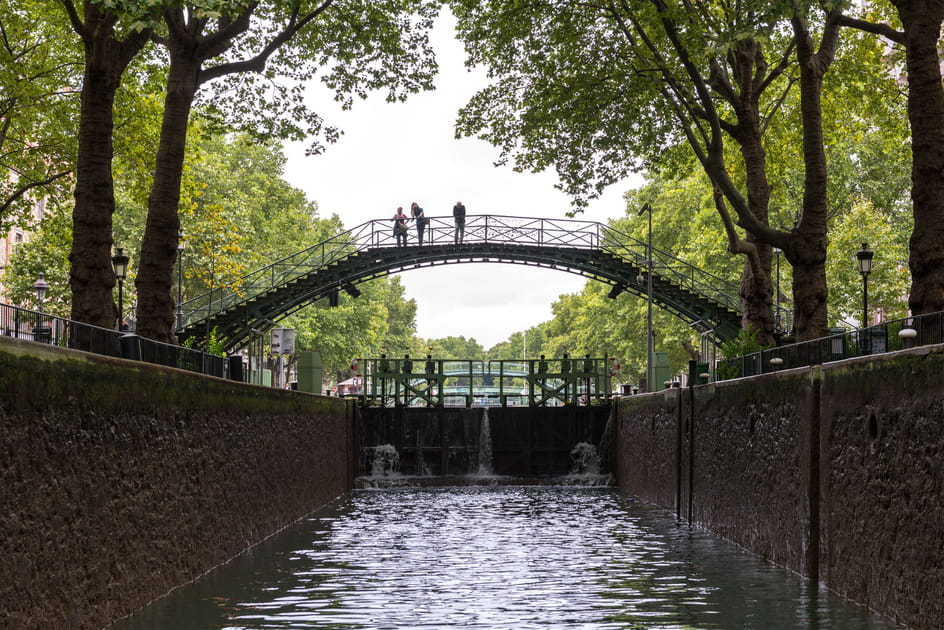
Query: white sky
point(392, 154)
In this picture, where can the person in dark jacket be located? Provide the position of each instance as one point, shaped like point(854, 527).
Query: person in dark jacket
point(458, 213)
point(420, 219)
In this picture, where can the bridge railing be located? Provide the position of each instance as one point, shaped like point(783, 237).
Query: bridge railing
point(31, 325)
point(671, 269)
point(378, 233)
point(440, 231)
point(910, 332)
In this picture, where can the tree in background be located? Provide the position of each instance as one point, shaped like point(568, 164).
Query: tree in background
point(231, 178)
point(40, 72)
point(358, 327)
point(455, 348)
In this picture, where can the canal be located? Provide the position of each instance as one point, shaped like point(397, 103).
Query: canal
point(498, 557)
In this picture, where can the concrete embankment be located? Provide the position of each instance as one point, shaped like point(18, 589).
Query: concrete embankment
point(120, 481)
point(836, 472)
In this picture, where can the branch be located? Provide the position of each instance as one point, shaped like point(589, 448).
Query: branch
point(691, 115)
point(257, 63)
point(22, 190)
point(736, 244)
point(781, 66)
point(829, 42)
point(777, 104)
point(218, 42)
point(7, 121)
point(869, 27)
point(74, 18)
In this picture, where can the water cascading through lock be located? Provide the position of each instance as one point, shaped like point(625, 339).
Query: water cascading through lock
point(485, 446)
point(386, 461)
point(586, 460)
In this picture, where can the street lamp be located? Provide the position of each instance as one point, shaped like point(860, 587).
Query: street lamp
point(864, 260)
point(650, 346)
point(120, 262)
point(180, 279)
point(40, 287)
point(777, 318)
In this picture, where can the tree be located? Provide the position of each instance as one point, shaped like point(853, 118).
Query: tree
point(920, 35)
point(38, 81)
point(598, 90)
point(455, 348)
point(372, 44)
point(112, 35)
point(48, 253)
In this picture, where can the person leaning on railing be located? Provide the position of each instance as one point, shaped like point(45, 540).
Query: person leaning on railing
point(399, 226)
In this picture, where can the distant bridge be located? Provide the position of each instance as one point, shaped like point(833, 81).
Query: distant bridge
point(369, 251)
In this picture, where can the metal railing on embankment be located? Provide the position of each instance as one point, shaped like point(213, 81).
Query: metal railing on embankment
point(22, 323)
point(899, 334)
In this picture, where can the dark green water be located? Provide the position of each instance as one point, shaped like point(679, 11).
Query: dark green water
point(502, 558)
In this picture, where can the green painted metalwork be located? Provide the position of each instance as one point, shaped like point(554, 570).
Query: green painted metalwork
point(368, 251)
point(429, 382)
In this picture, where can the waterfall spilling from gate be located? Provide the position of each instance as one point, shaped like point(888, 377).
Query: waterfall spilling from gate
point(490, 442)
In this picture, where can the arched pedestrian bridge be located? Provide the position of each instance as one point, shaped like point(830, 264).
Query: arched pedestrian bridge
point(368, 251)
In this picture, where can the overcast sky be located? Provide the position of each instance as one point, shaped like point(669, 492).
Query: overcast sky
point(392, 154)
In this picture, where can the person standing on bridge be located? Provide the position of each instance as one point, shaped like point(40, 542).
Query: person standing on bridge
point(458, 213)
point(420, 219)
point(399, 226)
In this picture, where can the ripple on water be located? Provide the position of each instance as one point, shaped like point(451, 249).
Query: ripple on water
point(500, 558)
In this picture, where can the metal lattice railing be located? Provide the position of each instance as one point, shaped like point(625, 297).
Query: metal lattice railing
point(479, 229)
point(899, 334)
point(21, 323)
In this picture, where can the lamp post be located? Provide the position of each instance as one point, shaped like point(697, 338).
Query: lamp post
point(650, 346)
point(777, 319)
point(120, 262)
point(40, 287)
point(864, 260)
point(180, 279)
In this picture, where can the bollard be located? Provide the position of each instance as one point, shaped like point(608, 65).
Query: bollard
point(908, 337)
point(130, 347)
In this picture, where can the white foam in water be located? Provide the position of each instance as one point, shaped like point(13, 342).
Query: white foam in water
point(586, 460)
point(485, 447)
point(386, 461)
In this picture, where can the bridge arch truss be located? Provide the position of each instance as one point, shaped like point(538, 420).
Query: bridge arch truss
point(368, 251)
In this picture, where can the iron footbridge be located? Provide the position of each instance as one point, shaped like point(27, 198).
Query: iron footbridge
point(368, 251)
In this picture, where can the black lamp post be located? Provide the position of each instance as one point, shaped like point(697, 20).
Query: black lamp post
point(777, 318)
point(120, 262)
point(864, 260)
point(40, 287)
point(180, 279)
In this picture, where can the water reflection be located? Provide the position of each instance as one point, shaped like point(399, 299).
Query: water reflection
point(497, 557)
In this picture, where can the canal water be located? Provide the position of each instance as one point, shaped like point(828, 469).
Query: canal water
point(504, 557)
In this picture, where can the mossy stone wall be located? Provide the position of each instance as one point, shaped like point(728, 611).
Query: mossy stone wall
point(120, 480)
point(834, 471)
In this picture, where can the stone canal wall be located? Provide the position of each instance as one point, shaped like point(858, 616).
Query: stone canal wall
point(120, 481)
point(836, 472)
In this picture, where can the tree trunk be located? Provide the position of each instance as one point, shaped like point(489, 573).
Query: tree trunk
point(756, 288)
point(159, 247)
point(92, 276)
point(922, 26)
point(806, 248)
